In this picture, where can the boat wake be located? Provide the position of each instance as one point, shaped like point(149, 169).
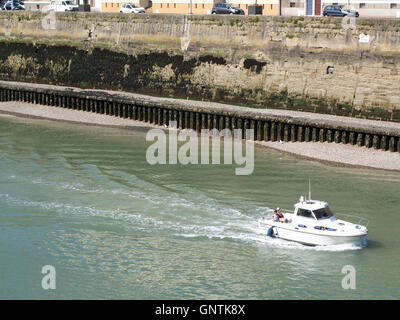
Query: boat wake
point(178, 210)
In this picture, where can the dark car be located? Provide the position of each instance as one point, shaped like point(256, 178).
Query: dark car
point(338, 11)
point(224, 8)
point(2, 7)
point(14, 5)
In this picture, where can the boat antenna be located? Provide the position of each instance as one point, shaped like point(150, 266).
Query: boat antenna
point(309, 189)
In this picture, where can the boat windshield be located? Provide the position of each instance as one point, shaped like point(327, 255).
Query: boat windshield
point(323, 213)
point(304, 213)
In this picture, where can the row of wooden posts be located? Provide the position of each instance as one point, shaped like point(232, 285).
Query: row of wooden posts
point(264, 129)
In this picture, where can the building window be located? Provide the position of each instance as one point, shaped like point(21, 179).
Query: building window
point(167, 5)
point(335, 4)
point(246, 6)
point(161, 5)
point(362, 5)
point(271, 6)
point(174, 5)
point(393, 5)
point(195, 6)
point(292, 4)
point(203, 6)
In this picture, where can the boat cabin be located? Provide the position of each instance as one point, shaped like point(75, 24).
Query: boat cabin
point(317, 210)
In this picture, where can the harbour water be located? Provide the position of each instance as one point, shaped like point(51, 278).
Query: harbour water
point(84, 200)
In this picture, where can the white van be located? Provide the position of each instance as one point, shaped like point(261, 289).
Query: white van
point(61, 6)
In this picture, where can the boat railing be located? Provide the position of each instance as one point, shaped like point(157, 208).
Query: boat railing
point(360, 220)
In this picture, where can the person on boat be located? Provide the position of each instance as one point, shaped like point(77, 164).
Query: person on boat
point(275, 216)
point(281, 218)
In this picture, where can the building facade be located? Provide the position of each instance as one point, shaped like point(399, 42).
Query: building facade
point(270, 7)
point(366, 8)
point(115, 5)
point(182, 6)
point(35, 5)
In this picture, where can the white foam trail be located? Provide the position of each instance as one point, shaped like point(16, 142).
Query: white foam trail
point(183, 210)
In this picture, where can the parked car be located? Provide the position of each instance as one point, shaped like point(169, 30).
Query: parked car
point(2, 7)
point(74, 7)
point(14, 5)
point(61, 6)
point(339, 11)
point(131, 8)
point(225, 8)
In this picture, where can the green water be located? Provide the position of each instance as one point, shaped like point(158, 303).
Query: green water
point(84, 200)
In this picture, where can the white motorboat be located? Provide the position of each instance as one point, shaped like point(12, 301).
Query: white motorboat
point(313, 223)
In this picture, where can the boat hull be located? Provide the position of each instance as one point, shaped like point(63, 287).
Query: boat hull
point(315, 239)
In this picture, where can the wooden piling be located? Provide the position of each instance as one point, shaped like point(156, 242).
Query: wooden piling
point(322, 135)
point(124, 110)
point(209, 121)
point(307, 134)
point(314, 134)
point(392, 144)
point(259, 136)
point(360, 139)
point(181, 121)
point(293, 133)
point(267, 131)
point(279, 129)
point(228, 123)
point(273, 131)
point(337, 136)
point(252, 127)
point(398, 144)
point(221, 123)
point(215, 121)
point(198, 122)
point(352, 138)
point(384, 143)
point(300, 134)
point(375, 141)
point(345, 137)
point(368, 141)
point(286, 132)
point(329, 136)
point(240, 125)
point(159, 116)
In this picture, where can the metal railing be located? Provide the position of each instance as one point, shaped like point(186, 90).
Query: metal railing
point(361, 221)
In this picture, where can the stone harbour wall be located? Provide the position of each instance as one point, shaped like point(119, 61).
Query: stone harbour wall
point(299, 63)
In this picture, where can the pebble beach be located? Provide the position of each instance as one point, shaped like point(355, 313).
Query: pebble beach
point(330, 153)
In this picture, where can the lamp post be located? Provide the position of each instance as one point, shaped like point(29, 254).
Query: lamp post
point(190, 6)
